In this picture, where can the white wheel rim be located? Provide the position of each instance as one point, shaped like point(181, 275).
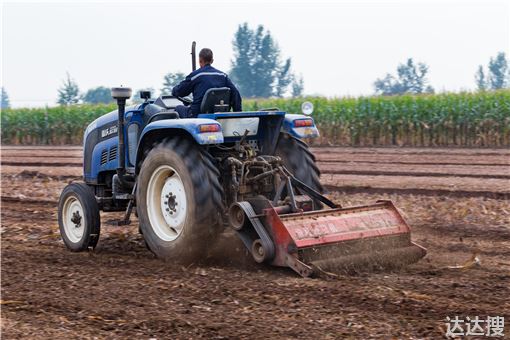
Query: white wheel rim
point(166, 203)
point(73, 219)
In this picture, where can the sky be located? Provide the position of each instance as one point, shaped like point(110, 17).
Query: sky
point(339, 47)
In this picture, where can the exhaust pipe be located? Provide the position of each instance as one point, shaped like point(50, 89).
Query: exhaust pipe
point(121, 94)
point(193, 56)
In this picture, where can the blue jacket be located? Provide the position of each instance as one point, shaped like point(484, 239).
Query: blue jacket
point(199, 81)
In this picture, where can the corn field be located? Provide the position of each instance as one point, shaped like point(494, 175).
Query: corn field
point(463, 119)
point(53, 126)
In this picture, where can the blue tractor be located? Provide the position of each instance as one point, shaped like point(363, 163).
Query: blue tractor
point(189, 179)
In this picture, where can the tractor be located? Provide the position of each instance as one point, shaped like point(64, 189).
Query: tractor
point(189, 179)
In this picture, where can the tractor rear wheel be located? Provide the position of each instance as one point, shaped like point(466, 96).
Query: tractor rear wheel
point(298, 159)
point(179, 201)
point(78, 217)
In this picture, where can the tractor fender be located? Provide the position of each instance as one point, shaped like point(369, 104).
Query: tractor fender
point(299, 132)
point(189, 127)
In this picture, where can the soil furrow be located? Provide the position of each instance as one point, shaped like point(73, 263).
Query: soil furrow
point(41, 164)
point(320, 160)
point(412, 174)
point(415, 191)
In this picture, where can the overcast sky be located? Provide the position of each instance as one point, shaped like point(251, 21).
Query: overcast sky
point(339, 47)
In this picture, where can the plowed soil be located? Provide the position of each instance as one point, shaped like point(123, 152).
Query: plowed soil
point(120, 290)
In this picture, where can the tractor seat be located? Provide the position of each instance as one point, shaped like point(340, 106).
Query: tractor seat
point(216, 100)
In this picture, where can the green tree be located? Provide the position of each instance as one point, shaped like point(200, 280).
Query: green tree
point(98, 95)
point(284, 79)
point(68, 93)
point(480, 79)
point(497, 75)
point(257, 68)
point(498, 72)
point(411, 78)
point(170, 80)
point(298, 86)
point(241, 71)
point(5, 100)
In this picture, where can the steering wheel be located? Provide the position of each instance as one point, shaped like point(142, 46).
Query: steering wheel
point(185, 100)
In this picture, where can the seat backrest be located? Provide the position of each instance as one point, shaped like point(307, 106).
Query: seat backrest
point(216, 100)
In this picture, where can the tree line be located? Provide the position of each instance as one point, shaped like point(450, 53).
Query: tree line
point(259, 71)
point(412, 78)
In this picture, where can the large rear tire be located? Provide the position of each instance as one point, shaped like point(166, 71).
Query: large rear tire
point(298, 159)
point(179, 201)
point(78, 217)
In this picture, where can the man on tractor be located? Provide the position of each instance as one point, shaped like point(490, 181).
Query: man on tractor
point(199, 81)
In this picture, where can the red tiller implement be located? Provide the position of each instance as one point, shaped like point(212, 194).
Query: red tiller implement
point(314, 241)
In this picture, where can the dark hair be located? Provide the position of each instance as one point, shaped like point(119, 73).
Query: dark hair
point(206, 55)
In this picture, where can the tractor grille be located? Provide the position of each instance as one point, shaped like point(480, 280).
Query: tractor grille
point(113, 153)
point(104, 157)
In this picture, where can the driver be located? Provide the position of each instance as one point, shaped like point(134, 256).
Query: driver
point(199, 81)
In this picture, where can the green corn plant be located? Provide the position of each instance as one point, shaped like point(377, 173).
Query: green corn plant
point(463, 119)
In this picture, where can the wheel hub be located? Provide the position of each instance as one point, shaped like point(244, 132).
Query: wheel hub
point(172, 203)
point(172, 196)
point(76, 219)
point(73, 219)
point(166, 200)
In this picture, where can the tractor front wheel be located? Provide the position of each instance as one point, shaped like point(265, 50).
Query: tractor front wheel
point(178, 201)
point(78, 217)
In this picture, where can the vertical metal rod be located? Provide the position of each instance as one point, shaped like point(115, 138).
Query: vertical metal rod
point(279, 191)
point(127, 214)
point(193, 56)
point(121, 94)
point(120, 132)
point(291, 195)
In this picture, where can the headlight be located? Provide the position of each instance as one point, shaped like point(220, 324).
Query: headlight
point(307, 108)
